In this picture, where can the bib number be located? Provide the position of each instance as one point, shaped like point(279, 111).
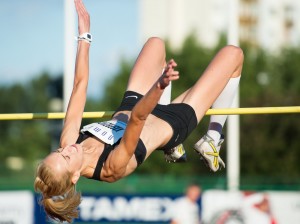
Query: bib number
point(108, 131)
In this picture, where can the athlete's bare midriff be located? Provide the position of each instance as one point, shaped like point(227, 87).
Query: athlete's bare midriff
point(155, 134)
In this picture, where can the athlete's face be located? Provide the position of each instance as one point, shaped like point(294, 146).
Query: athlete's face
point(68, 159)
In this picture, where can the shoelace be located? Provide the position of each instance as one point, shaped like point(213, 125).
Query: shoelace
point(215, 154)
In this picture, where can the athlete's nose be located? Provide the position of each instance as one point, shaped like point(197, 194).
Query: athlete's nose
point(66, 150)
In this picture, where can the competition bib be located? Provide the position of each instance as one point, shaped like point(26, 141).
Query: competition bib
point(107, 131)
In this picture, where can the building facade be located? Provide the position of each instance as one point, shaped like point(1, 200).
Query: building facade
point(263, 23)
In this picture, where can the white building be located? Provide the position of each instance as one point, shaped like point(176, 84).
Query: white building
point(271, 24)
point(266, 23)
point(175, 19)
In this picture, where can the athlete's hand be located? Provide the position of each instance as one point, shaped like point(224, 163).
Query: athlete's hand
point(83, 17)
point(168, 75)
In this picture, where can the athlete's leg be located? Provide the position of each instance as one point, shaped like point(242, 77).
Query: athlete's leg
point(224, 100)
point(148, 66)
point(216, 88)
point(226, 64)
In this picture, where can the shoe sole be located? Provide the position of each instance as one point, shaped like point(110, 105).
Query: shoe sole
point(204, 159)
point(182, 159)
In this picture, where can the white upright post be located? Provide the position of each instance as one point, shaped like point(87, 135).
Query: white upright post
point(166, 96)
point(69, 51)
point(233, 137)
point(176, 24)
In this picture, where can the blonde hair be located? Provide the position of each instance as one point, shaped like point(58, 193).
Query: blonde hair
point(59, 196)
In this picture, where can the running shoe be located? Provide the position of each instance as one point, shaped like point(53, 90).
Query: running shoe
point(176, 154)
point(210, 152)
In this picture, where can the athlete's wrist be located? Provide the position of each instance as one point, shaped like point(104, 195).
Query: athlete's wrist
point(86, 37)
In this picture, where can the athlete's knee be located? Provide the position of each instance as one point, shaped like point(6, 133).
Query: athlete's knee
point(157, 44)
point(235, 52)
point(156, 41)
point(235, 57)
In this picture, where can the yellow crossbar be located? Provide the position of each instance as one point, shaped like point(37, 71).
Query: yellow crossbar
point(255, 110)
point(51, 116)
point(106, 114)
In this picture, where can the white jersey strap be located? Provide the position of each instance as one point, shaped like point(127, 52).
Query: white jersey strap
point(108, 131)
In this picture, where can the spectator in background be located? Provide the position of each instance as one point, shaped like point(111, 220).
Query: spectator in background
point(257, 209)
point(186, 209)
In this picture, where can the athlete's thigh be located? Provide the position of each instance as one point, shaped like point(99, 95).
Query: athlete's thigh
point(148, 66)
point(226, 64)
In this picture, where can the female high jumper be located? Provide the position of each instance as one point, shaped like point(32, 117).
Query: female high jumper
point(108, 151)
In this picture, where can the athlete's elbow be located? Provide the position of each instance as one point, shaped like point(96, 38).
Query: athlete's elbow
point(116, 174)
point(137, 116)
point(111, 176)
point(80, 85)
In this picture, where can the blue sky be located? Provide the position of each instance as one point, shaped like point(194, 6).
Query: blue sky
point(33, 38)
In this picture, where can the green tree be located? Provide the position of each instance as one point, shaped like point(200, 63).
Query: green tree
point(28, 140)
point(269, 142)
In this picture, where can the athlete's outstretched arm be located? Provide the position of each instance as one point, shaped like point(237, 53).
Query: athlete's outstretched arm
point(77, 100)
point(119, 158)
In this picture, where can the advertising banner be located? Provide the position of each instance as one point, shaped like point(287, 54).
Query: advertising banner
point(126, 208)
point(217, 207)
point(16, 207)
point(122, 209)
point(270, 207)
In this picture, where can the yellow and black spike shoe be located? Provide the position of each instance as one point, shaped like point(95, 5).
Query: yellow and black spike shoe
point(176, 155)
point(210, 152)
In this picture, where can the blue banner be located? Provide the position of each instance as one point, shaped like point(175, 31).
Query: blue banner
point(120, 209)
